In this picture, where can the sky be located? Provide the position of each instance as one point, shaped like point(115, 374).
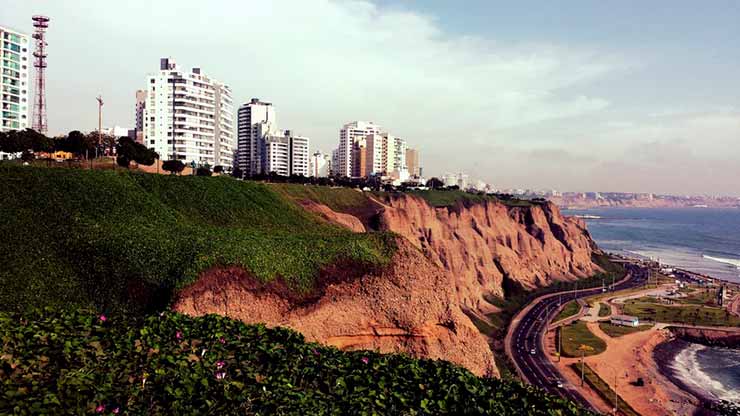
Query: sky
point(575, 95)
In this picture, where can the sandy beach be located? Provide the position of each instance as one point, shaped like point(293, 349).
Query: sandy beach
point(631, 357)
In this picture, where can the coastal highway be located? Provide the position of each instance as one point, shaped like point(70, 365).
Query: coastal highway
point(527, 331)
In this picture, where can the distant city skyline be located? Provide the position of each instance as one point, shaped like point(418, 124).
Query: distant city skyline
point(578, 96)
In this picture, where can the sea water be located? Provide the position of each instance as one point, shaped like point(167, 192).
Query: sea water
point(702, 240)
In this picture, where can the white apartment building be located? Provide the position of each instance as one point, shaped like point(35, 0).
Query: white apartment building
point(250, 116)
point(203, 116)
point(348, 135)
point(16, 67)
point(320, 165)
point(285, 154)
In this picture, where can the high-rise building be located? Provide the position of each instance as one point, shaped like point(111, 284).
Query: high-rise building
point(14, 55)
point(203, 116)
point(285, 154)
point(250, 116)
point(140, 105)
point(412, 162)
point(348, 135)
point(320, 165)
point(359, 158)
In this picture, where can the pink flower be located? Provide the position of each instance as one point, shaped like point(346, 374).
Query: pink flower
point(365, 360)
point(100, 409)
point(115, 410)
point(220, 375)
point(316, 352)
point(220, 364)
point(178, 335)
point(103, 318)
point(222, 340)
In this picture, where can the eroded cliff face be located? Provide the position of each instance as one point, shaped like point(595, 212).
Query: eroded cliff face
point(408, 307)
point(481, 244)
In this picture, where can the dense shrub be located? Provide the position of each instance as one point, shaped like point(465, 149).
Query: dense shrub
point(125, 241)
point(79, 362)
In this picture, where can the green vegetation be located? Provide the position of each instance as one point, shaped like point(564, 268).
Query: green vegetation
point(615, 331)
point(603, 389)
point(338, 199)
point(604, 310)
point(577, 335)
point(647, 308)
point(448, 198)
point(571, 309)
point(706, 297)
point(62, 363)
point(123, 242)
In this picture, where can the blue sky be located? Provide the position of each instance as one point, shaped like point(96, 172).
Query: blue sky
point(571, 95)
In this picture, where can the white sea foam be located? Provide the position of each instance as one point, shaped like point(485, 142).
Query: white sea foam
point(687, 368)
point(733, 262)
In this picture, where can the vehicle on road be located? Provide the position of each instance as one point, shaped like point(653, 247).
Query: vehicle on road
point(533, 351)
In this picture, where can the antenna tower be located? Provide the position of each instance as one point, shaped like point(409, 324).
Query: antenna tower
point(41, 23)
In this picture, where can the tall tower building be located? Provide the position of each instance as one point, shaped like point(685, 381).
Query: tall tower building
point(14, 56)
point(250, 116)
point(140, 105)
point(40, 23)
point(348, 135)
point(285, 154)
point(412, 162)
point(188, 116)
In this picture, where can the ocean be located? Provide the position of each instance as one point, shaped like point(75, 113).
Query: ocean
point(702, 240)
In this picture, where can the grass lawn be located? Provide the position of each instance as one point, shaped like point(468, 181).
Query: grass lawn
point(615, 331)
point(571, 308)
point(706, 297)
point(338, 199)
point(577, 334)
point(602, 388)
point(449, 198)
point(604, 310)
point(647, 309)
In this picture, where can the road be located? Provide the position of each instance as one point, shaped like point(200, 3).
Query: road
point(525, 344)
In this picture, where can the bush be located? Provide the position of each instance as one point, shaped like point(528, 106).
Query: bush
point(82, 362)
point(203, 171)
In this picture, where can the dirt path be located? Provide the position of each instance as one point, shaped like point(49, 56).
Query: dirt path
point(631, 357)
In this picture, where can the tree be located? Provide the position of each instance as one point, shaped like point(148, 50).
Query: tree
point(237, 173)
point(173, 166)
point(77, 143)
point(128, 150)
point(203, 171)
point(218, 169)
point(435, 183)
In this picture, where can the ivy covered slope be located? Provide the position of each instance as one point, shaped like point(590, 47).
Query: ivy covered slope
point(123, 242)
point(81, 363)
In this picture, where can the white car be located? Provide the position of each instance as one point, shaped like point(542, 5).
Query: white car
point(533, 351)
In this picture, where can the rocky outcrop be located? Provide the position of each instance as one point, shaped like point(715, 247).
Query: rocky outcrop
point(407, 307)
point(482, 245)
point(729, 338)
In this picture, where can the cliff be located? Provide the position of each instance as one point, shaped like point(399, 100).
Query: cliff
point(729, 338)
point(407, 307)
point(482, 244)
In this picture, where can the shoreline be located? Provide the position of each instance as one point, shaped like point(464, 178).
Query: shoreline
point(664, 355)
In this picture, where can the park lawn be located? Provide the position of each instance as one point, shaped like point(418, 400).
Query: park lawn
point(604, 310)
point(615, 331)
point(701, 297)
point(571, 309)
point(693, 315)
point(577, 334)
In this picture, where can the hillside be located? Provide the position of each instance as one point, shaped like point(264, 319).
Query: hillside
point(124, 242)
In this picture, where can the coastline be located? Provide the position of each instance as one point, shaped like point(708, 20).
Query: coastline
point(665, 355)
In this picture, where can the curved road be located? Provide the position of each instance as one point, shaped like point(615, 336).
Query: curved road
point(525, 340)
